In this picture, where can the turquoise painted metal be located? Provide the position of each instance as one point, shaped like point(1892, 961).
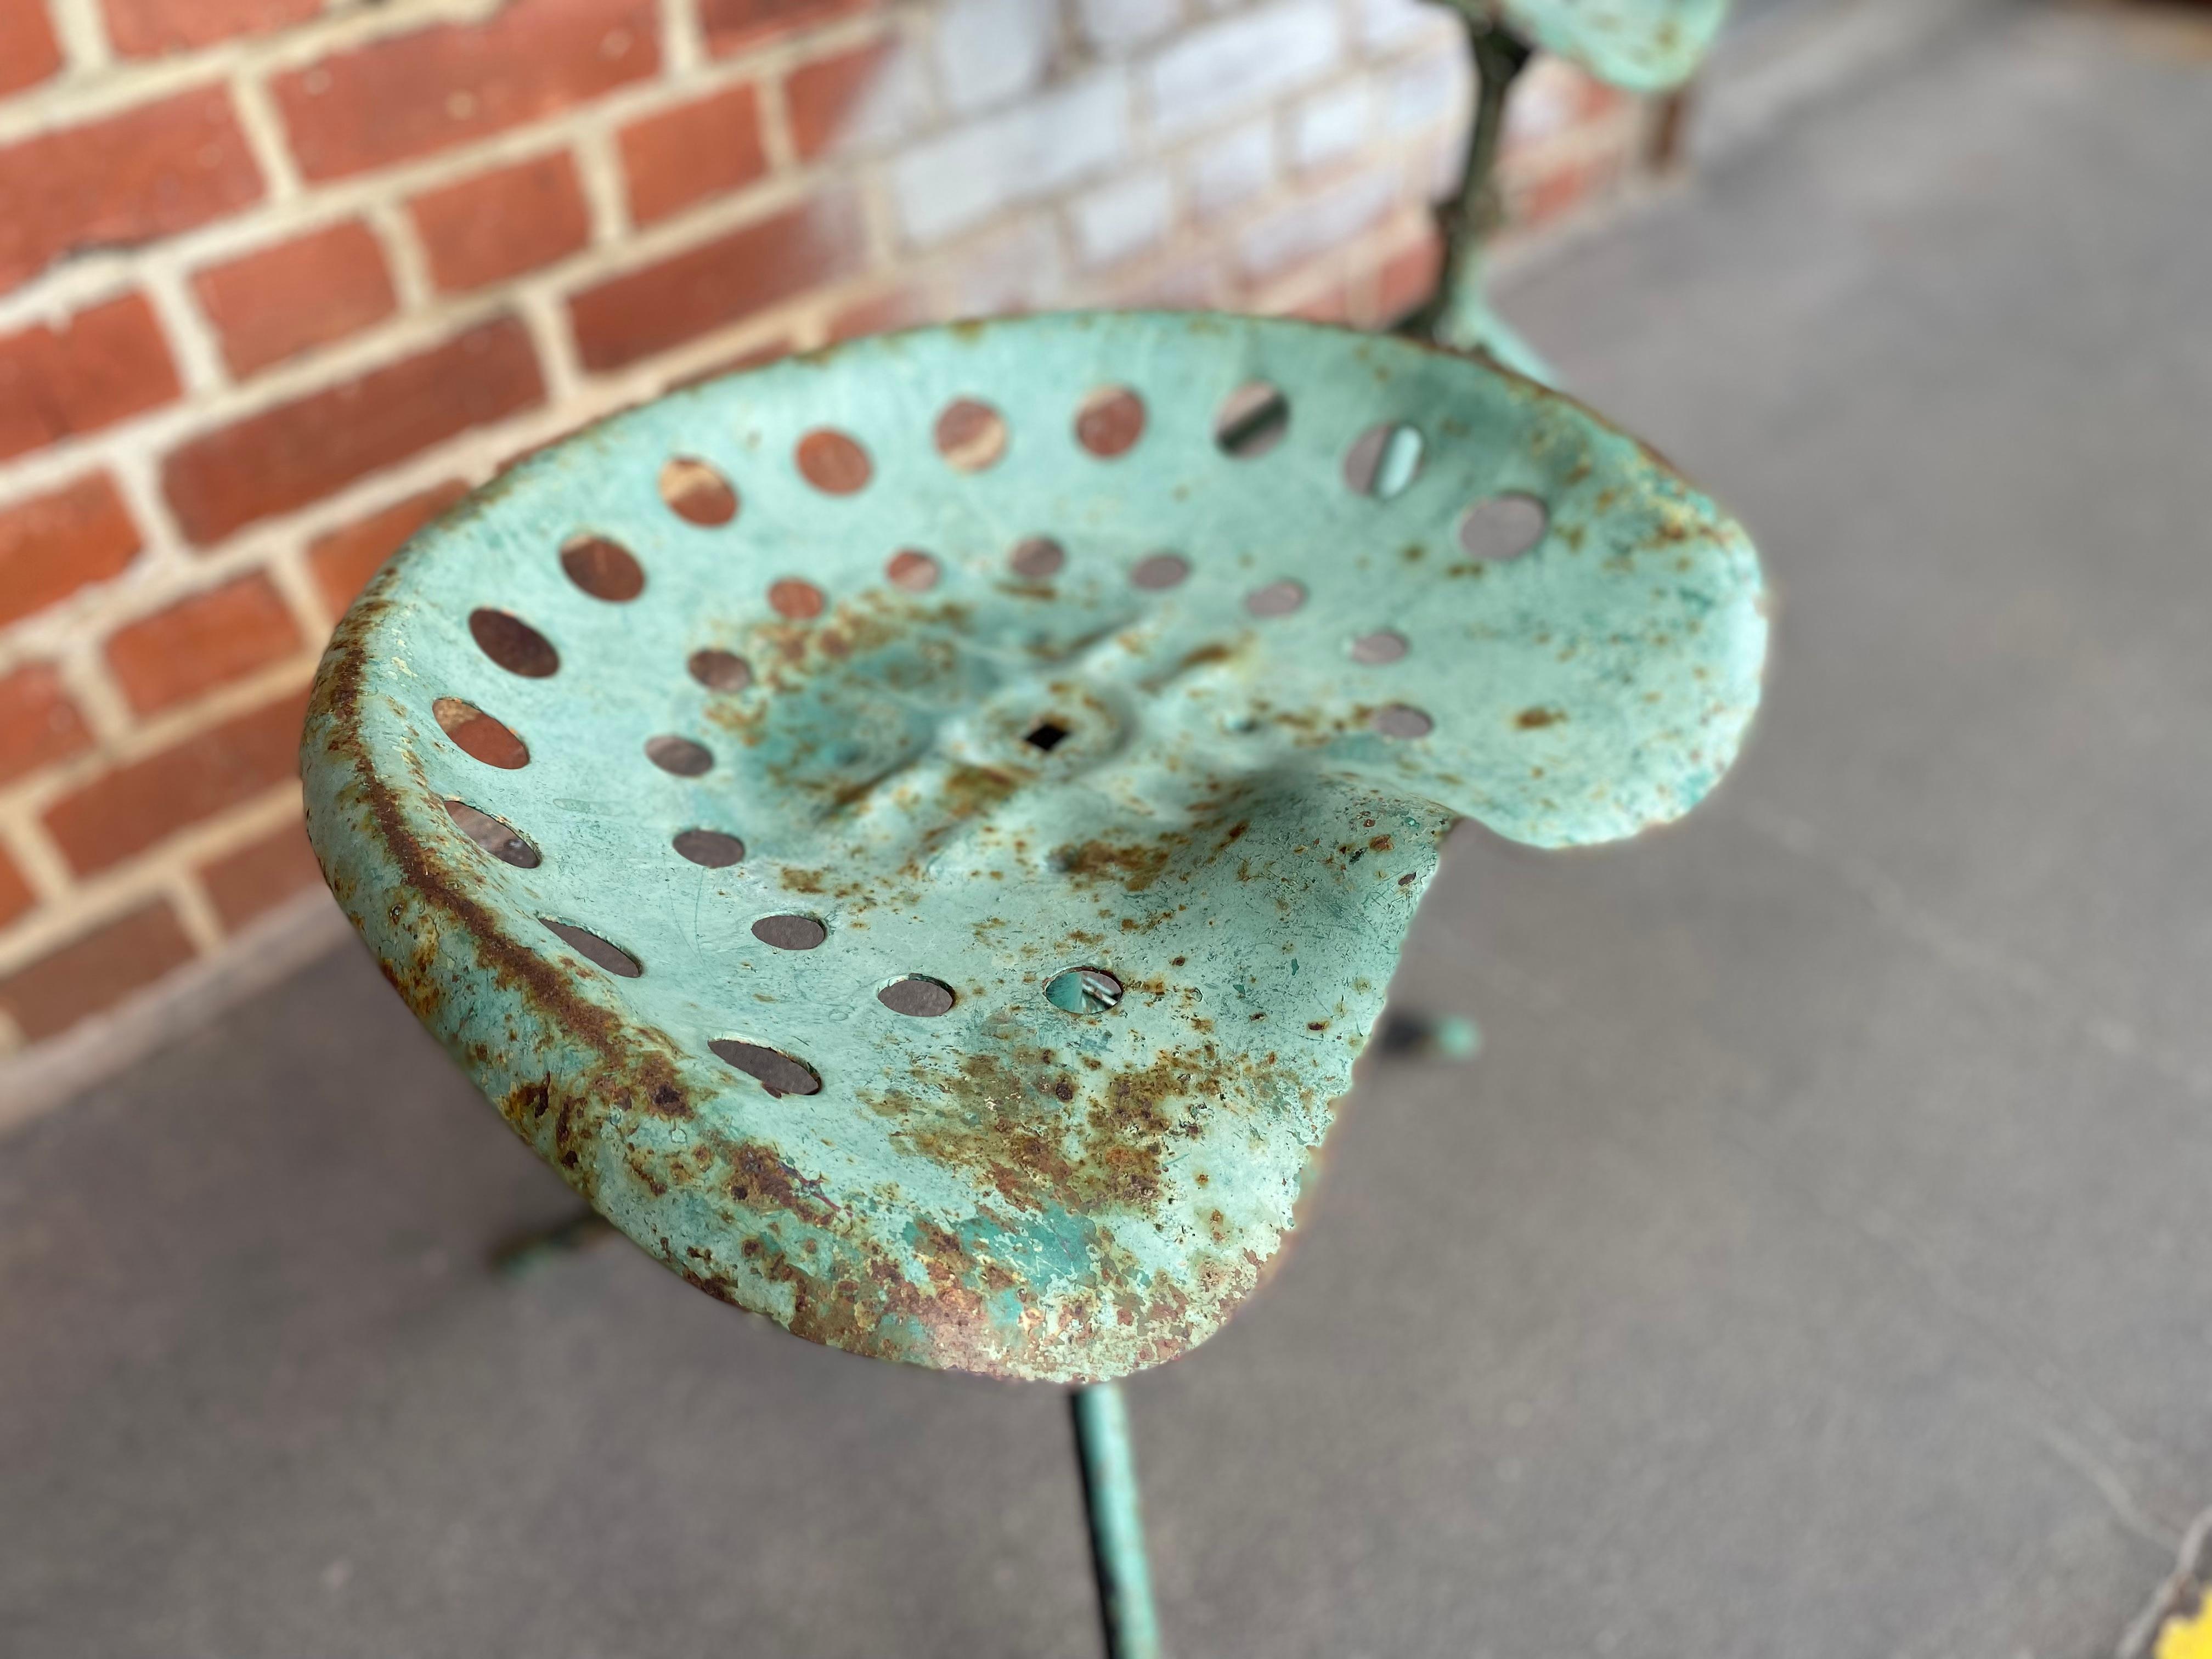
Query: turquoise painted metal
point(1643, 46)
point(1117, 1522)
point(918, 836)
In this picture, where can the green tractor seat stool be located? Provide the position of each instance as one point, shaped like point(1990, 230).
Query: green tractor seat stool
point(918, 836)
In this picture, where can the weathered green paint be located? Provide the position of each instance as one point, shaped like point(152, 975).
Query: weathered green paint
point(1645, 46)
point(1117, 1522)
point(1010, 1188)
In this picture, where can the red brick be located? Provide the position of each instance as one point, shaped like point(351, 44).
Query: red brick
point(878, 315)
point(16, 895)
point(734, 25)
point(288, 299)
point(149, 172)
point(124, 812)
point(105, 362)
point(824, 97)
point(720, 282)
point(1553, 194)
point(503, 223)
point(345, 559)
point(682, 155)
point(201, 643)
point(95, 972)
point(260, 875)
point(140, 29)
point(301, 451)
point(1407, 278)
point(38, 724)
point(755, 357)
point(413, 94)
point(28, 53)
point(51, 545)
point(1332, 304)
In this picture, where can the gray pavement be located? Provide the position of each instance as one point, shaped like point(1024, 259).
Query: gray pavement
point(1815, 1262)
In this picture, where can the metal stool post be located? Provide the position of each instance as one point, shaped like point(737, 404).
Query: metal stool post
point(1117, 1523)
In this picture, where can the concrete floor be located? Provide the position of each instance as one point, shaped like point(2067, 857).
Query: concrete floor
point(1815, 1262)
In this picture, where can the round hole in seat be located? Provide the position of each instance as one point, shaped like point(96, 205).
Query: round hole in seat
point(1110, 421)
point(1384, 460)
point(971, 435)
point(1503, 526)
point(790, 932)
point(796, 600)
point(603, 568)
point(495, 835)
point(696, 492)
point(1275, 599)
point(685, 758)
point(773, 1070)
point(710, 847)
point(1403, 720)
point(1156, 571)
point(834, 462)
point(720, 670)
point(513, 643)
point(917, 996)
point(1383, 646)
point(478, 735)
point(1083, 991)
point(1037, 557)
point(587, 944)
point(1252, 420)
point(912, 570)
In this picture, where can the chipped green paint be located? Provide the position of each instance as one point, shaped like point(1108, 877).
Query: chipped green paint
point(1210, 790)
point(1644, 45)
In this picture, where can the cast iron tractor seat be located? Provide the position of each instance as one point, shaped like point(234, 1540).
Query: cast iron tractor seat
point(917, 835)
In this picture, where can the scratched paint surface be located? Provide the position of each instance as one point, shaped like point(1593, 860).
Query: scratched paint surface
point(1645, 46)
point(1235, 819)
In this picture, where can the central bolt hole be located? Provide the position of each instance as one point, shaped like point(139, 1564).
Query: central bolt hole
point(1045, 735)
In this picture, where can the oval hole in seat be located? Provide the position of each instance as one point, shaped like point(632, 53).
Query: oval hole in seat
point(773, 1070)
point(479, 736)
point(587, 944)
point(513, 643)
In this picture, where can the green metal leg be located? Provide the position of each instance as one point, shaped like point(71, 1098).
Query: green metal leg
point(1117, 1527)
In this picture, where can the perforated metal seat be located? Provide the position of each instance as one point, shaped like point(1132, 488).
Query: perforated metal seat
point(917, 835)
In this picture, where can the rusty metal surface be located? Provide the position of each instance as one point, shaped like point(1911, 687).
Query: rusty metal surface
point(1163, 717)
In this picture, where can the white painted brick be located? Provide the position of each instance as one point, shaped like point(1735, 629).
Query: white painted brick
point(1330, 125)
point(1113, 25)
point(990, 51)
point(1429, 91)
point(949, 183)
point(1216, 70)
point(1324, 220)
point(1387, 24)
point(1438, 167)
point(895, 103)
point(1019, 270)
point(1233, 167)
point(1123, 218)
point(1547, 98)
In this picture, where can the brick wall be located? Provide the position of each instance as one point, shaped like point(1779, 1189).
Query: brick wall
point(281, 278)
